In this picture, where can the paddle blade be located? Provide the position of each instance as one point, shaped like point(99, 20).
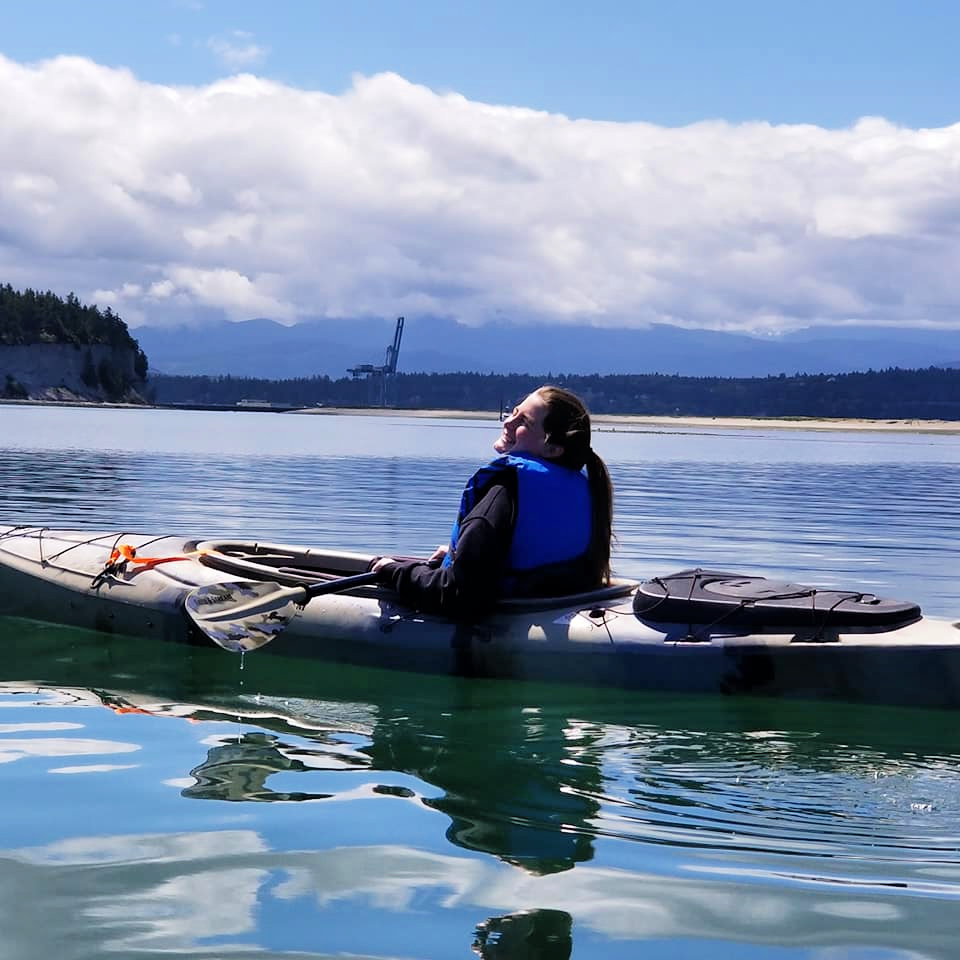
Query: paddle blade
point(243, 616)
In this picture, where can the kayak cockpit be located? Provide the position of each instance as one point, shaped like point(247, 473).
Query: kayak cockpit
point(282, 563)
point(294, 565)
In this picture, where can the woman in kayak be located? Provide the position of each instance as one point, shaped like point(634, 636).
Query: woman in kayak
point(531, 522)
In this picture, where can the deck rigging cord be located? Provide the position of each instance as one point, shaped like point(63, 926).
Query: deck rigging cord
point(123, 554)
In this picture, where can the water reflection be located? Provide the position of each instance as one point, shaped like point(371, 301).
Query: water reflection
point(527, 797)
point(538, 787)
point(516, 783)
point(528, 935)
point(238, 771)
point(737, 820)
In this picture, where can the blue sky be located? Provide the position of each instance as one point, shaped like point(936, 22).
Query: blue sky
point(746, 165)
point(827, 63)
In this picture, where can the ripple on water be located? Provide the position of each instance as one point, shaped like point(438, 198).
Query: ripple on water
point(783, 806)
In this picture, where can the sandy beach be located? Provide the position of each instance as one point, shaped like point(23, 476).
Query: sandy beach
point(646, 424)
point(639, 423)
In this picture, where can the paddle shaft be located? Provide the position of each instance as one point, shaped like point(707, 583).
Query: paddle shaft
point(217, 603)
point(341, 583)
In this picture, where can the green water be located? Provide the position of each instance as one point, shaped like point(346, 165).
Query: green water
point(178, 801)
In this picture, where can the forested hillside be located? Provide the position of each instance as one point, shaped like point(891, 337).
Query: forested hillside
point(51, 348)
point(929, 394)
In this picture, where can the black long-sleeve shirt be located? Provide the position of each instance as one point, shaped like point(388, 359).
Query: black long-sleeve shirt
point(470, 584)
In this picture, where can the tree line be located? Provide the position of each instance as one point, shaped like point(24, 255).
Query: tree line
point(928, 394)
point(29, 317)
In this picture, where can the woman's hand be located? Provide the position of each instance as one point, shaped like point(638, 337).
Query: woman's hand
point(438, 555)
point(435, 559)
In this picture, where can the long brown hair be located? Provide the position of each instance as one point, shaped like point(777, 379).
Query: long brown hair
point(567, 425)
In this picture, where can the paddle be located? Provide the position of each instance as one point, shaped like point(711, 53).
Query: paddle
point(246, 615)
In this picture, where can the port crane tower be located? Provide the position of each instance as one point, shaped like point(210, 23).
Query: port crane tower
point(379, 377)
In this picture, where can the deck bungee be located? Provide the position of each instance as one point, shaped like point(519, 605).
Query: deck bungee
point(697, 630)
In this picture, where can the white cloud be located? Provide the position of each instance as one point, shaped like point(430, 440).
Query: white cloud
point(237, 50)
point(237, 294)
point(250, 198)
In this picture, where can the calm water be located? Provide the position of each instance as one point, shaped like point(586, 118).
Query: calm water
point(182, 802)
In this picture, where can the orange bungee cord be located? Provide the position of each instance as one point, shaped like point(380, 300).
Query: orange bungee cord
point(123, 554)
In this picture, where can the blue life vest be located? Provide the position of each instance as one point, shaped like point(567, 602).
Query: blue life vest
point(554, 519)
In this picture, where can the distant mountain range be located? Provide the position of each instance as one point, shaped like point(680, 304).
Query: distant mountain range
point(263, 348)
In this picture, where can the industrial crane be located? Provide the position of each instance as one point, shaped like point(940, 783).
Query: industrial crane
point(379, 376)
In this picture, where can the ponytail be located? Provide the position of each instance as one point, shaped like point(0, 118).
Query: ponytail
point(567, 425)
point(601, 500)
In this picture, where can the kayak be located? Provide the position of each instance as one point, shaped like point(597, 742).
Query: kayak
point(697, 631)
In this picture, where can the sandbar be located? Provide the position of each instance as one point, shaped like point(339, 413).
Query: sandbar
point(645, 423)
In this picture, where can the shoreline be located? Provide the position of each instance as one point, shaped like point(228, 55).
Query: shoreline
point(609, 422)
point(644, 423)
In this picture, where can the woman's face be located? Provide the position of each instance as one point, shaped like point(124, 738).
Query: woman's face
point(523, 430)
